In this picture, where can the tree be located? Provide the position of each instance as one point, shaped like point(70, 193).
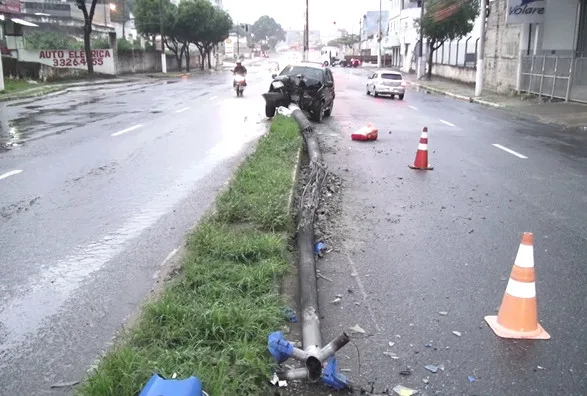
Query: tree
point(446, 20)
point(348, 40)
point(203, 25)
point(51, 40)
point(88, 18)
point(148, 23)
point(266, 28)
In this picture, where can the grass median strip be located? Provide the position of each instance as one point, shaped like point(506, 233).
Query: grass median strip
point(212, 321)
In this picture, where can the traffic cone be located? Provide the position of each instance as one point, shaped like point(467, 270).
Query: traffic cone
point(518, 314)
point(421, 161)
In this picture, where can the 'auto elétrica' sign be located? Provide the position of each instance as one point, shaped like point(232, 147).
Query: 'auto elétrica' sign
point(102, 59)
point(525, 11)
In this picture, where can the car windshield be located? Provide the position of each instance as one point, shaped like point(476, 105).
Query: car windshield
point(391, 76)
point(308, 72)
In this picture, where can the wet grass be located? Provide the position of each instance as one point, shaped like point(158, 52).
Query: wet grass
point(213, 319)
point(12, 86)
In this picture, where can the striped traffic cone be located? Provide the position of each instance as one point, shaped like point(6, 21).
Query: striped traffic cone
point(421, 161)
point(518, 314)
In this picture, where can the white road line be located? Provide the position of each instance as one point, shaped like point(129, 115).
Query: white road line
point(11, 173)
point(214, 97)
point(447, 123)
point(413, 107)
point(132, 128)
point(181, 110)
point(499, 146)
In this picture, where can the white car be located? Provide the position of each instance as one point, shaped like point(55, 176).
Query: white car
point(386, 82)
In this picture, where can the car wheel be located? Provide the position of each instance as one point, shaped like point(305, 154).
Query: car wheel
point(368, 90)
point(319, 112)
point(375, 94)
point(328, 112)
point(401, 97)
point(269, 111)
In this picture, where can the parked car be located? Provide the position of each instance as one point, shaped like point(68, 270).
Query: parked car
point(310, 85)
point(386, 82)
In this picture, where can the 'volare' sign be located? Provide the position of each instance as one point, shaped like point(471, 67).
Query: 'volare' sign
point(525, 11)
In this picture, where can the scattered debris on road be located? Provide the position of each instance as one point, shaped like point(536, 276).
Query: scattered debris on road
point(357, 329)
point(432, 368)
point(457, 333)
point(366, 133)
point(404, 391)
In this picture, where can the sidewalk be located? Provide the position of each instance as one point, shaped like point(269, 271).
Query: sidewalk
point(54, 88)
point(567, 114)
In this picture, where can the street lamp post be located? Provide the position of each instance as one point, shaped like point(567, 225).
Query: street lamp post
point(481, 52)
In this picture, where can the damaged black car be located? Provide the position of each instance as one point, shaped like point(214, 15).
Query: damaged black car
point(310, 86)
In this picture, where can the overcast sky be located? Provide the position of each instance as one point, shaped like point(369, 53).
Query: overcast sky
point(290, 13)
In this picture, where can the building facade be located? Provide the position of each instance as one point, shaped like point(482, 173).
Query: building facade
point(542, 53)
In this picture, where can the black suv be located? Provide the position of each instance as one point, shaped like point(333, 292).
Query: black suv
point(309, 85)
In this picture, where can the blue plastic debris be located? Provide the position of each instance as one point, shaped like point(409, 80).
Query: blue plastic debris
point(331, 378)
point(159, 386)
point(290, 315)
point(319, 248)
point(280, 348)
point(471, 378)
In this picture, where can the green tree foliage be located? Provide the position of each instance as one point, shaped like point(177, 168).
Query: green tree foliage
point(195, 22)
point(51, 40)
point(203, 25)
point(148, 23)
point(446, 20)
point(349, 40)
point(266, 28)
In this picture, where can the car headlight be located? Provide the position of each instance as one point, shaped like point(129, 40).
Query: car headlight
point(277, 84)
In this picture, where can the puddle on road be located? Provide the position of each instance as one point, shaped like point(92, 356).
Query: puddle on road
point(44, 296)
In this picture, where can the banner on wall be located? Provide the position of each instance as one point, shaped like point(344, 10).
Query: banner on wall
point(525, 11)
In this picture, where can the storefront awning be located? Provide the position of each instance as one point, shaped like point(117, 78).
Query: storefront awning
point(23, 22)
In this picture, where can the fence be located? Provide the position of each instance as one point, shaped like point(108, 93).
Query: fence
point(561, 77)
point(459, 53)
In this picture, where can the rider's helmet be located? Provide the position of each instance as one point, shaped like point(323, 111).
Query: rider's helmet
point(239, 63)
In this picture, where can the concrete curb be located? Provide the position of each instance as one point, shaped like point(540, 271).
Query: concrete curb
point(457, 96)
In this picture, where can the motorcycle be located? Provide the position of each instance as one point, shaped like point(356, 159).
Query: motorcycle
point(240, 82)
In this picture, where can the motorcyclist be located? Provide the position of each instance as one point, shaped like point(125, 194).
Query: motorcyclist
point(240, 70)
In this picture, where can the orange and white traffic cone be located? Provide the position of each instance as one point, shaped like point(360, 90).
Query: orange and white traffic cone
point(421, 161)
point(518, 314)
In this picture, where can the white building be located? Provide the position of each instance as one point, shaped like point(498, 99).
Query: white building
point(403, 33)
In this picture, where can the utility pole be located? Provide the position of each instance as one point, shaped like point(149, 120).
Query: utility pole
point(421, 49)
point(379, 38)
point(481, 52)
point(238, 40)
point(123, 18)
point(360, 33)
point(307, 34)
point(163, 59)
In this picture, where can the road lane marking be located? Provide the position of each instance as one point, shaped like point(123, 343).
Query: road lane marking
point(447, 123)
point(499, 146)
point(182, 110)
point(11, 173)
point(214, 97)
point(413, 107)
point(132, 128)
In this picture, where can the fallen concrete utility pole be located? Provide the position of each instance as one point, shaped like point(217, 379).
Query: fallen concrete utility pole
point(313, 355)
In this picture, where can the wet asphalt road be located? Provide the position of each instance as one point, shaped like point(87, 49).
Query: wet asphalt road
point(96, 200)
point(413, 244)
